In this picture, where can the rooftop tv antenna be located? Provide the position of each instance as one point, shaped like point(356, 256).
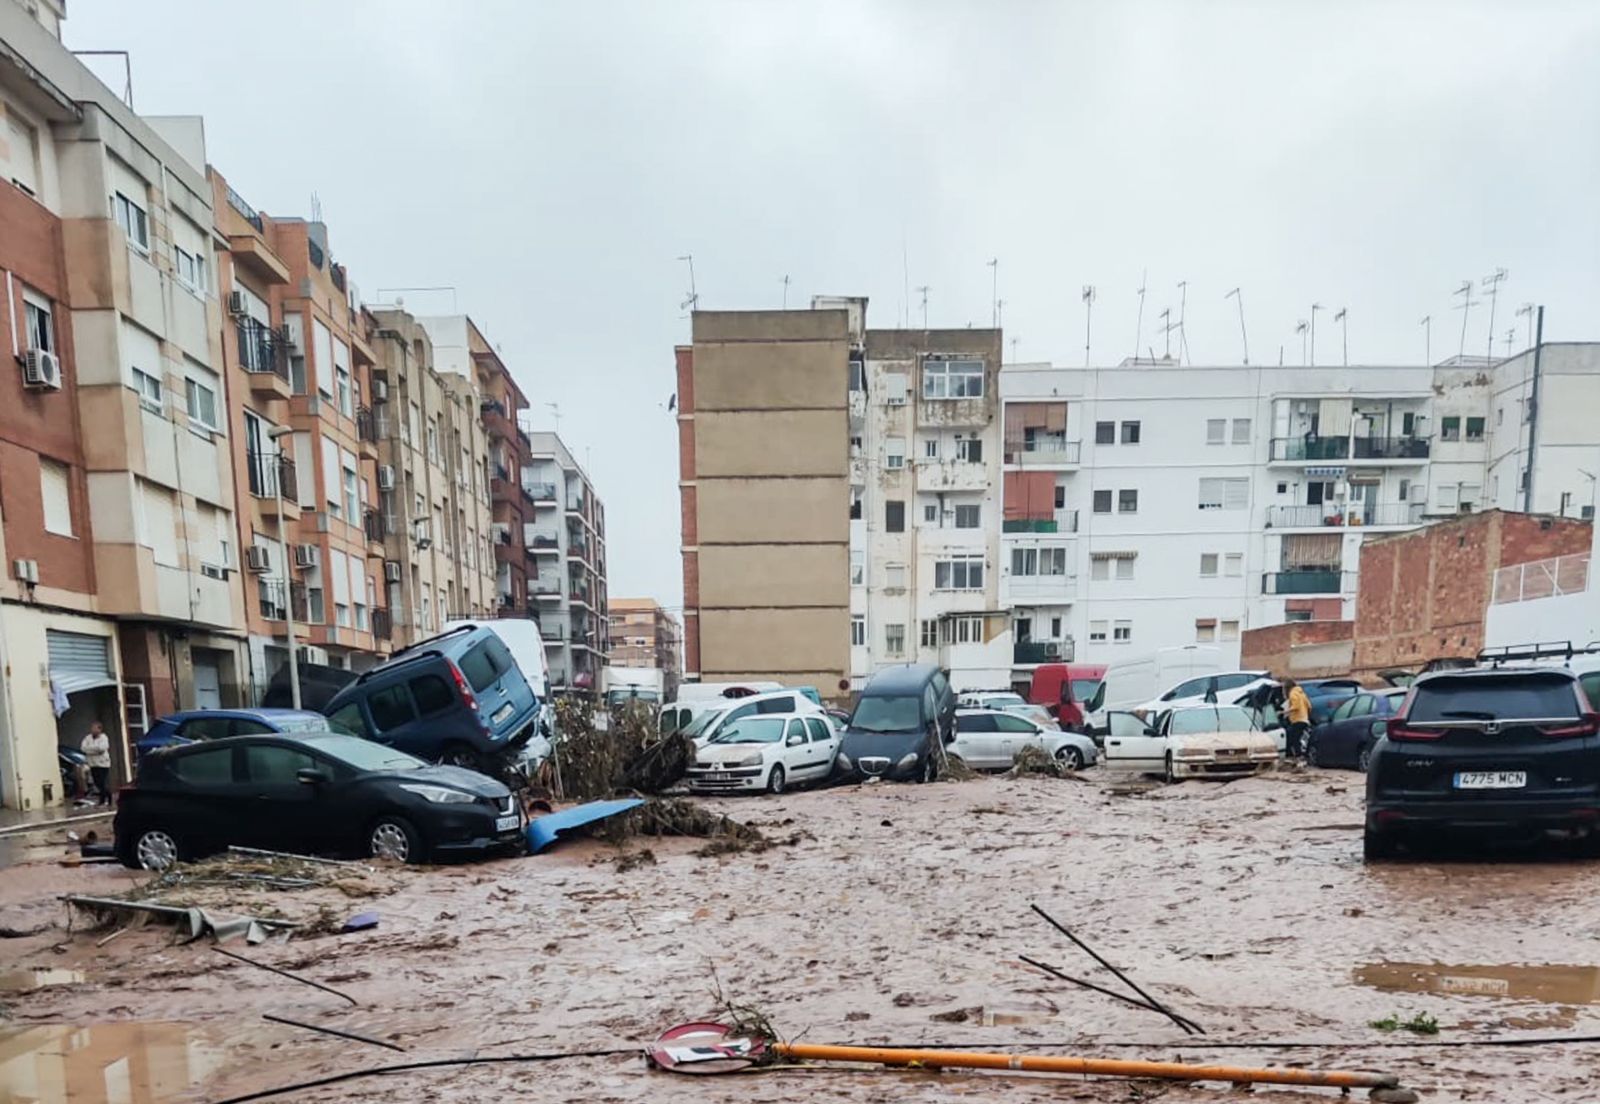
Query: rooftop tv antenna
point(555, 413)
point(693, 301)
point(127, 70)
point(1526, 310)
point(1427, 339)
point(1342, 317)
point(1511, 336)
point(1183, 311)
point(1492, 282)
point(1465, 307)
point(994, 288)
point(1315, 307)
point(1138, 327)
point(785, 292)
point(1244, 337)
point(1088, 320)
point(999, 312)
point(923, 291)
point(1167, 326)
point(1300, 328)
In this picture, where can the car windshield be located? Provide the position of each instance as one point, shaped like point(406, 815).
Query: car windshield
point(1223, 718)
point(900, 713)
point(364, 755)
point(1003, 701)
point(1494, 698)
point(617, 697)
point(303, 724)
point(752, 730)
point(698, 726)
point(1083, 689)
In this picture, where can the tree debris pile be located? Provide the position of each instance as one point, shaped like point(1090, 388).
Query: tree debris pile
point(627, 755)
point(1038, 762)
point(253, 884)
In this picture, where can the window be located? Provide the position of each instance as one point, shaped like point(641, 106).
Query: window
point(969, 449)
point(276, 766)
point(1061, 496)
point(39, 334)
point(1121, 632)
point(894, 516)
point(24, 154)
point(855, 504)
point(962, 630)
point(202, 404)
point(349, 719)
point(1216, 431)
point(894, 639)
point(1450, 428)
point(1234, 563)
point(1099, 570)
point(1205, 630)
point(205, 768)
point(432, 695)
point(858, 568)
point(952, 379)
point(930, 448)
point(1102, 502)
point(858, 376)
point(149, 389)
point(1105, 433)
point(1208, 565)
point(1283, 488)
point(1127, 502)
point(1224, 494)
point(191, 269)
point(958, 573)
point(894, 453)
point(1230, 630)
point(894, 576)
point(1500, 416)
point(1038, 561)
point(54, 488)
point(1241, 431)
point(1124, 567)
point(1474, 429)
point(133, 220)
point(858, 630)
point(855, 445)
point(1097, 632)
point(1055, 628)
point(967, 517)
point(930, 634)
point(930, 513)
point(352, 494)
point(1130, 433)
point(485, 663)
point(1296, 615)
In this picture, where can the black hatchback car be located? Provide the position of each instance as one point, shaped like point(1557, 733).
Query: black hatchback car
point(307, 793)
point(905, 716)
point(1501, 751)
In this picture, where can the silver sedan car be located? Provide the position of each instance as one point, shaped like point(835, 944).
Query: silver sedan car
point(989, 739)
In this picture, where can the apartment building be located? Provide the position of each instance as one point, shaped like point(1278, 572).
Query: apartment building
point(764, 482)
point(1542, 405)
point(1150, 505)
point(565, 542)
point(643, 634)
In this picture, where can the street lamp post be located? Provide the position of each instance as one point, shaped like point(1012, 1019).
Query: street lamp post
point(275, 436)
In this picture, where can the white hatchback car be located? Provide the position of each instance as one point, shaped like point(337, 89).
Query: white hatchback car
point(765, 751)
point(1196, 741)
point(989, 739)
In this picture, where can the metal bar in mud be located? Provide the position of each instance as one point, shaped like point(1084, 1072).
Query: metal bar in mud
point(351, 1035)
point(290, 855)
point(1101, 1067)
point(287, 974)
point(1112, 993)
point(1157, 1005)
point(171, 911)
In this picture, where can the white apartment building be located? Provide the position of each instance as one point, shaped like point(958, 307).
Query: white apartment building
point(925, 501)
point(565, 538)
point(1151, 505)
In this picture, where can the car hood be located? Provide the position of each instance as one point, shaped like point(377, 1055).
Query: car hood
point(894, 745)
point(724, 754)
point(1214, 741)
point(457, 778)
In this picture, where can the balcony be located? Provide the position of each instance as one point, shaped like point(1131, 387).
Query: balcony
point(1029, 653)
point(1412, 450)
point(542, 494)
point(1334, 515)
point(367, 431)
point(545, 589)
point(951, 475)
point(372, 522)
point(264, 354)
point(541, 542)
point(1309, 581)
point(1298, 450)
point(1040, 589)
point(498, 424)
point(1046, 452)
point(1065, 521)
point(267, 472)
point(382, 624)
point(503, 492)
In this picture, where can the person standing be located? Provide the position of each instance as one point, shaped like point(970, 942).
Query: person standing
point(1297, 707)
point(96, 749)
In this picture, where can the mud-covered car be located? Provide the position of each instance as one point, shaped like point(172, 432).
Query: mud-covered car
point(1195, 741)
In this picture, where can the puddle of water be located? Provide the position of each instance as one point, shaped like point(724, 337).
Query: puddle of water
point(22, 981)
point(131, 1063)
point(1546, 984)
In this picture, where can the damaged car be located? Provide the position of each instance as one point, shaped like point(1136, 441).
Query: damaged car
point(769, 752)
point(905, 716)
point(1195, 741)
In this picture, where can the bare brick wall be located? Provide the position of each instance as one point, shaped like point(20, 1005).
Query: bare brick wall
point(1423, 594)
point(1297, 648)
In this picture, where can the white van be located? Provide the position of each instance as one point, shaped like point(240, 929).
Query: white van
point(713, 714)
point(719, 691)
point(521, 638)
point(1133, 683)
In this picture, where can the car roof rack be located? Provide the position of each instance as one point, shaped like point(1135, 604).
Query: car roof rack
point(470, 626)
point(408, 655)
point(1521, 653)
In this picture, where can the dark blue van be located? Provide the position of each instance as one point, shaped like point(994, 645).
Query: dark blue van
point(905, 716)
point(456, 698)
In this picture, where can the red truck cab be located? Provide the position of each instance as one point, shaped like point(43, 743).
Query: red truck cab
point(1063, 688)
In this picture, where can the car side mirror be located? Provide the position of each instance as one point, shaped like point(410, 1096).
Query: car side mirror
point(312, 776)
point(795, 741)
point(1150, 731)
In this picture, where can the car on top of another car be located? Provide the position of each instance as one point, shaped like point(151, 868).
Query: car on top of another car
point(176, 729)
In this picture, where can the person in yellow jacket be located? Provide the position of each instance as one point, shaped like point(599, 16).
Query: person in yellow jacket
point(1297, 711)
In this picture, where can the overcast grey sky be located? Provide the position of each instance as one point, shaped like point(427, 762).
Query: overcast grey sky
point(551, 160)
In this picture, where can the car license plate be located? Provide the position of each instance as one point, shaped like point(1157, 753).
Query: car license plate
point(1491, 780)
point(502, 713)
point(507, 823)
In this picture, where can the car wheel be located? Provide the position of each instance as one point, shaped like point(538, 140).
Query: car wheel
point(391, 837)
point(776, 780)
point(1364, 758)
point(154, 849)
point(459, 755)
point(1071, 758)
point(1171, 775)
point(1377, 846)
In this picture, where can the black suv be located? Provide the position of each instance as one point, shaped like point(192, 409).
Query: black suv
point(1507, 751)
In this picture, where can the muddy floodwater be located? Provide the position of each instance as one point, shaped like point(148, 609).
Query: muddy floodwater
point(897, 917)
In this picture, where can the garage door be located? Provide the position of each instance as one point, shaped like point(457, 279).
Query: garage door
point(79, 661)
point(207, 683)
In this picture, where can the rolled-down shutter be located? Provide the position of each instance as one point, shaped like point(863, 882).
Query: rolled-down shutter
point(79, 661)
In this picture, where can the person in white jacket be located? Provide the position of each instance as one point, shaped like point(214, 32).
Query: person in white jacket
point(96, 748)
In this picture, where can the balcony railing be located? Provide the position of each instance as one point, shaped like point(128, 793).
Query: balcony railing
point(1310, 448)
point(373, 522)
point(262, 348)
point(1293, 449)
point(1308, 581)
point(1041, 651)
point(269, 599)
point(366, 424)
point(1064, 521)
point(1392, 448)
point(1042, 588)
point(540, 492)
point(544, 586)
point(542, 539)
point(268, 471)
point(236, 201)
point(1327, 515)
point(1542, 579)
point(1045, 451)
point(382, 624)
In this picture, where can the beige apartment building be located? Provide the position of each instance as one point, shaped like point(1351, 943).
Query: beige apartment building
point(764, 480)
point(643, 634)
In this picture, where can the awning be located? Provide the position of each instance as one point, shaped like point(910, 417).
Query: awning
point(1325, 473)
point(1113, 555)
point(79, 661)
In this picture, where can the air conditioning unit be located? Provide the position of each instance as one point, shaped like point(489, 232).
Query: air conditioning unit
point(421, 535)
point(236, 304)
point(391, 571)
point(1052, 650)
point(307, 555)
point(258, 559)
point(41, 370)
point(385, 477)
point(380, 389)
point(26, 571)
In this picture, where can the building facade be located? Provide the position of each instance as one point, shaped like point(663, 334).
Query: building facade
point(565, 543)
point(643, 634)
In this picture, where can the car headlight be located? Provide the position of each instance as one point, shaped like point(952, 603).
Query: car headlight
point(1191, 753)
point(907, 761)
point(844, 761)
point(751, 760)
point(444, 795)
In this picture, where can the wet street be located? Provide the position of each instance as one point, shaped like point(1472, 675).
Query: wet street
point(896, 915)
